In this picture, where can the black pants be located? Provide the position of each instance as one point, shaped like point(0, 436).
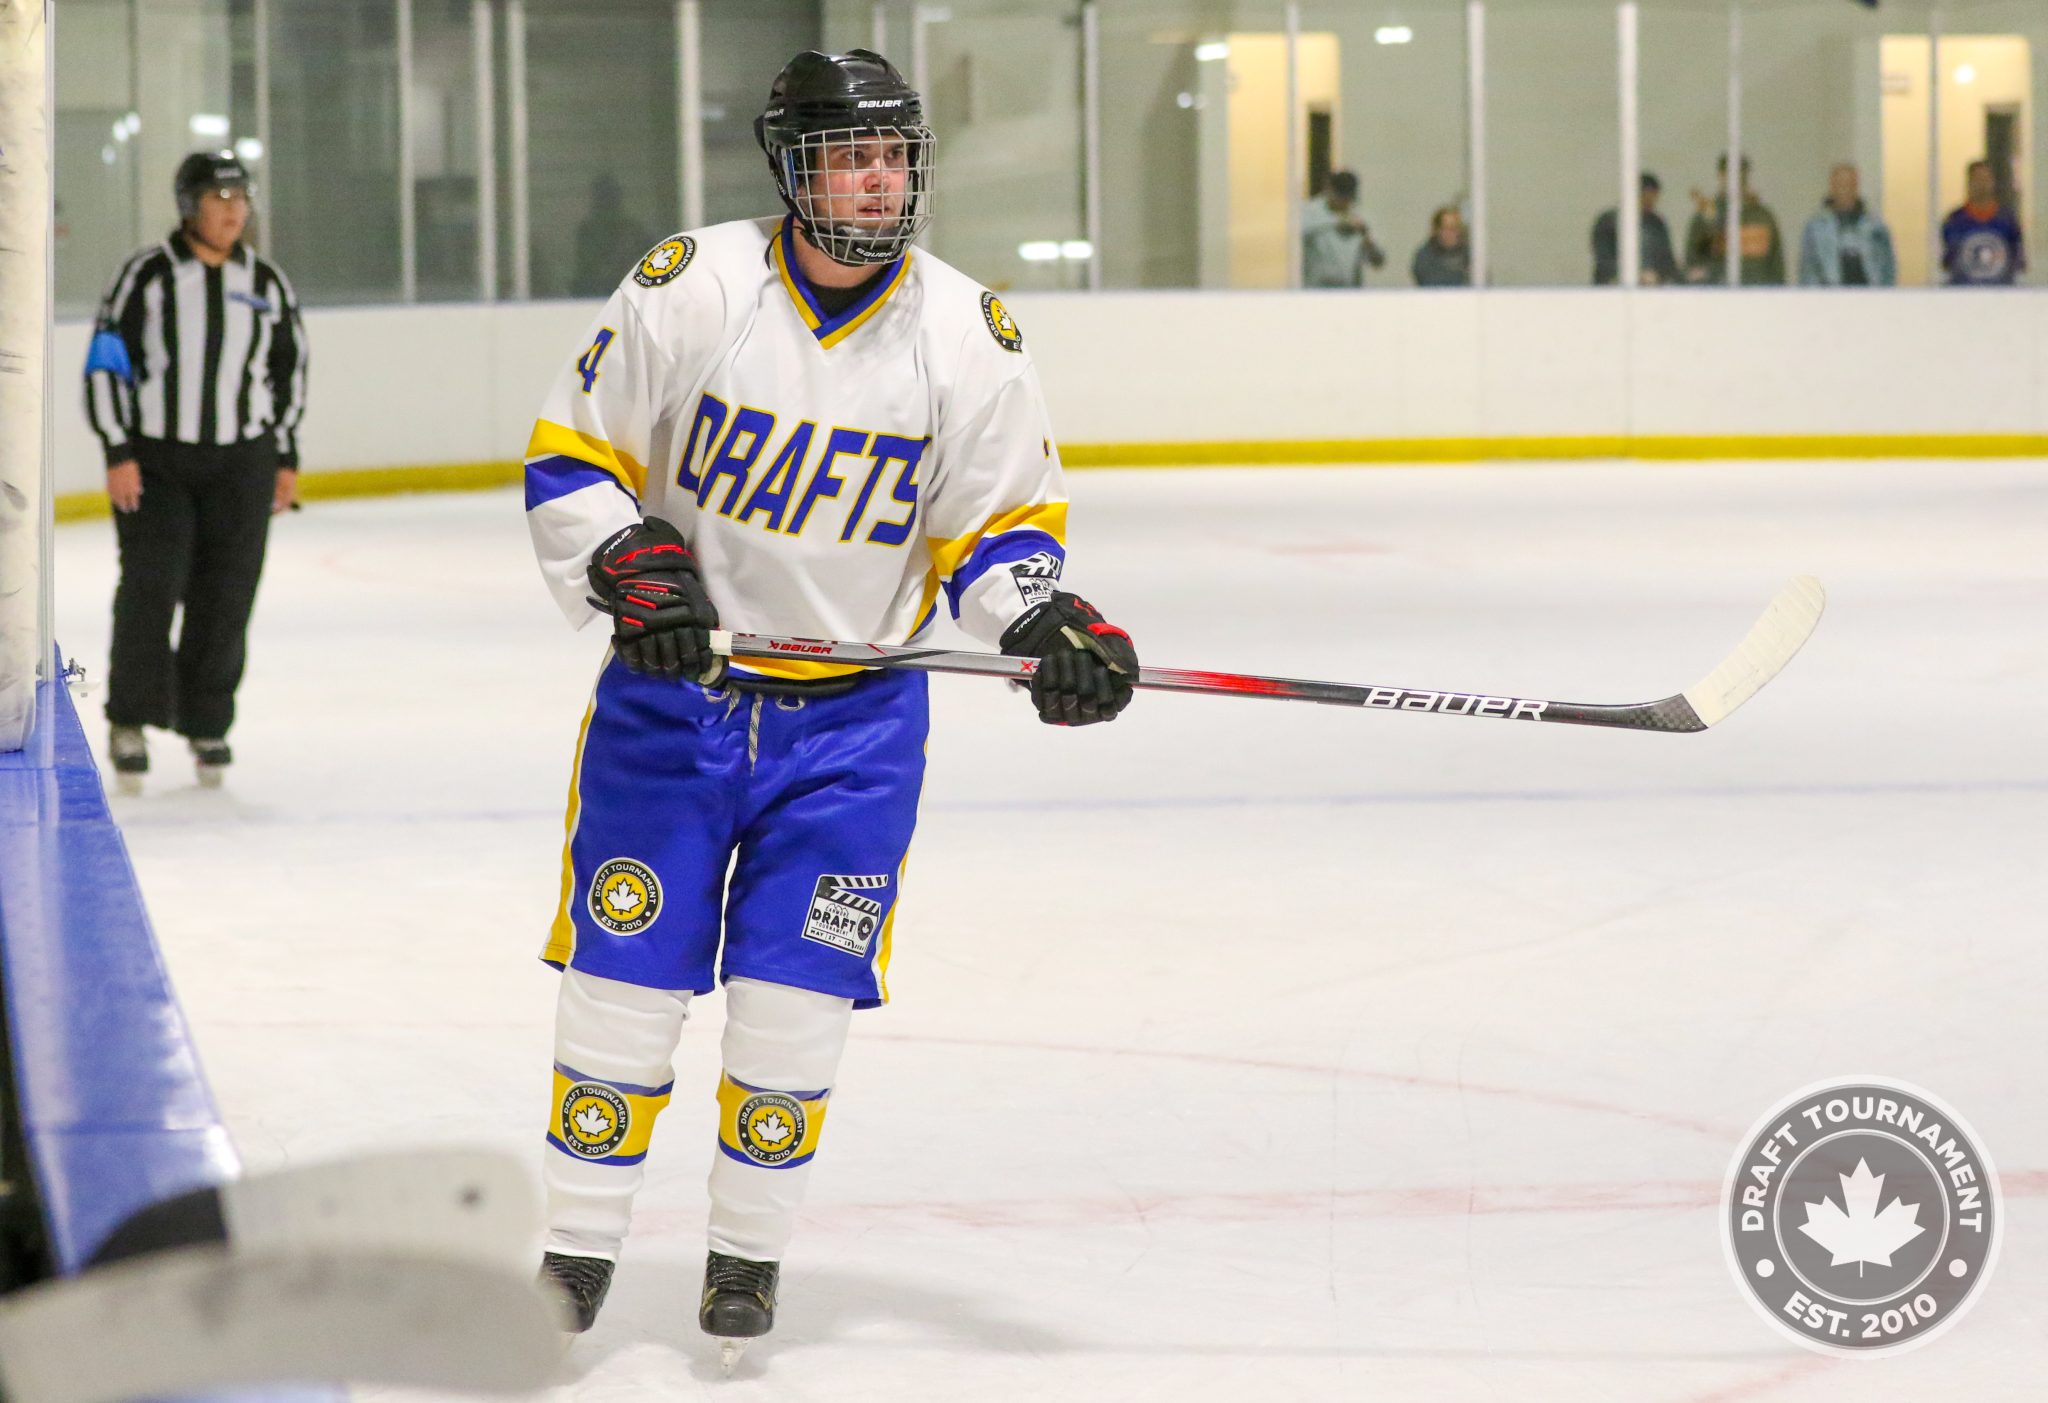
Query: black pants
point(196, 540)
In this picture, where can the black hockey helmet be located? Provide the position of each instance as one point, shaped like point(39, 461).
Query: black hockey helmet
point(207, 170)
point(821, 101)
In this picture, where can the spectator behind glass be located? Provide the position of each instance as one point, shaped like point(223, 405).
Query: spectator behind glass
point(1660, 263)
point(608, 241)
point(1445, 259)
point(1981, 245)
point(1706, 238)
point(1845, 245)
point(1335, 244)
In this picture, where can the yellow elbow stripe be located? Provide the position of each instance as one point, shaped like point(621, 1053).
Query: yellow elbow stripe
point(773, 1129)
point(1049, 517)
point(559, 439)
point(605, 1122)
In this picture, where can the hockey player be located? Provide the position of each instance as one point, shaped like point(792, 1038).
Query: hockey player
point(798, 425)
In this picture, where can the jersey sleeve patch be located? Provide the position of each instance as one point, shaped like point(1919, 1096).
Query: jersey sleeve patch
point(665, 262)
point(1001, 324)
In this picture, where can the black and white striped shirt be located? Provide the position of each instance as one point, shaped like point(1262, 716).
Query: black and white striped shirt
point(196, 354)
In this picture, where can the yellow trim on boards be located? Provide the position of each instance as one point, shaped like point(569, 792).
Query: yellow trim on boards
point(1662, 448)
point(322, 484)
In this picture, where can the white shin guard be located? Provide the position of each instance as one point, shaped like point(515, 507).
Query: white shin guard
point(613, 1045)
point(781, 1052)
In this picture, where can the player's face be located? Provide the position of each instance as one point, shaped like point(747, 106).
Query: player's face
point(223, 215)
point(864, 181)
point(1983, 185)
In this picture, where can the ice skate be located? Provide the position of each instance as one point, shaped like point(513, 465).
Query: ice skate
point(739, 1304)
point(211, 759)
point(130, 754)
point(581, 1283)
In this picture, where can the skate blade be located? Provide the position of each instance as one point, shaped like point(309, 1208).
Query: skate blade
point(210, 776)
point(128, 786)
point(729, 1352)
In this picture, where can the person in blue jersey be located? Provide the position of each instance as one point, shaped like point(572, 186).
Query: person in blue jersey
point(799, 425)
point(1981, 241)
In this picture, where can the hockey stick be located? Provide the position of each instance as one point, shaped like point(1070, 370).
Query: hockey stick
point(456, 1203)
point(1770, 644)
point(199, 1319)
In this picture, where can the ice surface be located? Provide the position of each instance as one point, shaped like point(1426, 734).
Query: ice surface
point(1239, 1050)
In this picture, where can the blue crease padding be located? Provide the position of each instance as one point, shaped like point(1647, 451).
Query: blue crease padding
point(107, 351)
point(113, 1103)
point(1005, 549)
point(558, 476)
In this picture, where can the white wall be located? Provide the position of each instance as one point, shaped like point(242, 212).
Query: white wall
point(415, 386)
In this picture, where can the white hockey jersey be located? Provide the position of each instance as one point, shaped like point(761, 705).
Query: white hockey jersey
point(835, 474)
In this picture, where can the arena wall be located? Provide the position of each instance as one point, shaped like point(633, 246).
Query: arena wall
point(443, 396)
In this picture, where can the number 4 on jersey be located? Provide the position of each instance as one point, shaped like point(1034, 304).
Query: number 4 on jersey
point(586, 364)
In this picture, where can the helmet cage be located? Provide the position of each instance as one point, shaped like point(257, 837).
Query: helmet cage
point(803, 162)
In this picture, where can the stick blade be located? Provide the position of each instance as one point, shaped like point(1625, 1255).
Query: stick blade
point(200, 1319)
point(445, 1202)
point(1771, 643)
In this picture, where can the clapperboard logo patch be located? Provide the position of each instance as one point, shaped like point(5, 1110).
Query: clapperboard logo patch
point(843, 918)
point(1036, 577)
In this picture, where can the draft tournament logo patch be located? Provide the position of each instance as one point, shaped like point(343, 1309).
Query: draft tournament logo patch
point(841, 917)
point(769, 1127)
point(1037, 576)
point(665, 261)
point(1861, 1217)
point(1000, 324)
point(624, 896)
point(594, 1119)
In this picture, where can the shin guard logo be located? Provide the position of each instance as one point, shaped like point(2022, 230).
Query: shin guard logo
point(594, 1119)
point(1861, 1216)
point(770, 1127)
point(841, 917)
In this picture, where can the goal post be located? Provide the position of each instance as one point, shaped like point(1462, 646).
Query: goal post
point(25, 287)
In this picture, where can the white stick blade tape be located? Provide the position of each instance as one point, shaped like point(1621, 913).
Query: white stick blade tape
point(1785, 626)
point(472, 1204)
point(200, 1319)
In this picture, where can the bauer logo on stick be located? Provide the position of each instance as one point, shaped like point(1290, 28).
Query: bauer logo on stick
point(1861, 1217)
point(624, 896)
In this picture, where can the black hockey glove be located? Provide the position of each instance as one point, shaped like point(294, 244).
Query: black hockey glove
point(1085, 666)
point(647, 580)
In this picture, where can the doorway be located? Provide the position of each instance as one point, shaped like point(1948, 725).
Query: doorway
point(1985, 90)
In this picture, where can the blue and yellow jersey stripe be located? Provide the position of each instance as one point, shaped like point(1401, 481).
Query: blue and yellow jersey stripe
point(830, 327)
point(551, 441)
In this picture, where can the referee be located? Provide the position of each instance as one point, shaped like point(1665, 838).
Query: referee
point(195, 382)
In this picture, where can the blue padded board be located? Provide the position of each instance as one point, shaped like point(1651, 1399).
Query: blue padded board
point(114, 1107)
